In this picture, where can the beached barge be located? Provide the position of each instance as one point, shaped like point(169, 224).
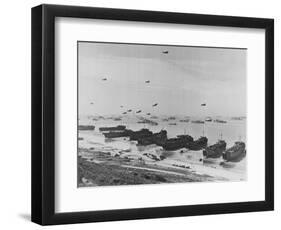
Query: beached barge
point(86, 127)
point(236, 153)
point(114, 128)
point(216, 150)
point(156, 138)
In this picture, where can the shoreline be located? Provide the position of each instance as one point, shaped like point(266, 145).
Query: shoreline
point(98, 168)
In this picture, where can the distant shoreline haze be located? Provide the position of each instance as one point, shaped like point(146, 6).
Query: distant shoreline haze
point(138, 76)
point(161, 115)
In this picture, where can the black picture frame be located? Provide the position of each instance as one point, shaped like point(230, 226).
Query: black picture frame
point(43, 113)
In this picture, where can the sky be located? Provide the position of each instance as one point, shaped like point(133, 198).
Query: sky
point(180, 81)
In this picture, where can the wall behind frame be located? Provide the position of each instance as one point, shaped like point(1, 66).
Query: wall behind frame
point(15, 113)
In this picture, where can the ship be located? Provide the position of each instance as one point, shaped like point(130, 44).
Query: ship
point(147, 121)
point(173, 123)
point(199, 144)
point(181, 141)
point(198, 122)
point(117, 119)
point(184, 120)
point(117, 134)
point(186, 137)
point(114, 128)
point(219, 121)
point(156, 138)
point(237, 118)
point(137, 135)
point(86, 127)
point(236, 153)
point(208, 119)
point(216, 150)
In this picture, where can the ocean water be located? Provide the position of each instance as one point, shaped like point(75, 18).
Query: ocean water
point(232, 131)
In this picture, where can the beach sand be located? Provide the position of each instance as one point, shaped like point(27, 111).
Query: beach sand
point(99, 169)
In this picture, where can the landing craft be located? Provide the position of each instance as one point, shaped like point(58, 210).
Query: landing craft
point(129, 110)
point(220, 121)
point(148, 114)
point(138, 111)
point(147, 81)
point(236, 153)
point(216, 150)
point(124, 113)
point(204, 104)
point(165, 52)
point(181, 141)
point(155, 138)
point(86, 127)
point(137, 135)
point(155, 104)
point(199, 144)
point(114, 128)
point(104, 79)
point(92, 103)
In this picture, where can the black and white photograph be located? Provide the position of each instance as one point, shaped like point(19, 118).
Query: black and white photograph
point(152, 114)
